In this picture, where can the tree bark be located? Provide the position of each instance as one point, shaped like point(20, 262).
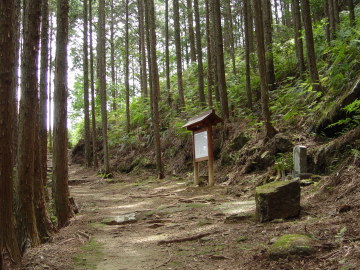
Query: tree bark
point(28, 119)
point(167, 53)
point(229, 34)
point(178, 53)
point(247, 54)
point(43, 222)
point(270, 130)
point(311, 57)
point(86, 86)
point(267, 21)
point(9, 251)
point(143, 72)
point(127, 86)
point(199, 54)
point(191, 30)
point(220, 66)
point(60, 158)
point(101, 40)
point(112, 56)
point(92, 82)
point(327, 25)
point(155, 89)
point(298, 39)
point(210, 70)
point(351, 12)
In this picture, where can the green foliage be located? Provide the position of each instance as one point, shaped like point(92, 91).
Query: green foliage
point(353, 119)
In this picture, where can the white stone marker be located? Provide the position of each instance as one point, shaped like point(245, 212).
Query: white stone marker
point(300, 160)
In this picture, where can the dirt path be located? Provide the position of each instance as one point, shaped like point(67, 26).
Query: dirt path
point(133, 222)
point(158, 211)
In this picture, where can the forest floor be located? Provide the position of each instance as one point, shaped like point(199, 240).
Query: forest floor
point(169, 224)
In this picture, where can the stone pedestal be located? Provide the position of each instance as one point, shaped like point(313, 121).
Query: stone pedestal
point(276, 200)
point(300, 160)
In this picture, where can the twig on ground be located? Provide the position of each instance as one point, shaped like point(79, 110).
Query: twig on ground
point(184, 239)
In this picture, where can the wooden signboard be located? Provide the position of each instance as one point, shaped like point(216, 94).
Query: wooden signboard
point(201, 126)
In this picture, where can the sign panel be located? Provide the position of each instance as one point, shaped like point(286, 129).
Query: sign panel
point(201, 144)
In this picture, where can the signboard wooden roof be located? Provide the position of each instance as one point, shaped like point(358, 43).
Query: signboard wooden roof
point(208, 118)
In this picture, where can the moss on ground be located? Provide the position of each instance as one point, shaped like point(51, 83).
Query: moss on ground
point(91, 254)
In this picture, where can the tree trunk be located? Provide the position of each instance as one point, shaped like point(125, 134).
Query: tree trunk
point(298, 39)
point(220, 66)
point(210, 70)
point(16, 26)
point(9, 251)
point(86, 86)
point(247, 54)
point(167, 53)
point(50, 88)
point(92, 82)
point(60, 158)
point(143, 72)
point(229, 35)
point(327, 25)
point(191, 31)
point(332, 20)
point(156, 86)
point(351, 12)
point(270, 130)
point(267, 21)
point(44, 70)
point(314, 76)
point(28, 118)
point(112, 56)
point(42, 219)
point(102, 81)
point(127, 86)
point(178, 53)
point(199, 54)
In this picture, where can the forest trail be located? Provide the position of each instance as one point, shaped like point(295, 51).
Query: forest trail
point(135, 222)
point(156, 211)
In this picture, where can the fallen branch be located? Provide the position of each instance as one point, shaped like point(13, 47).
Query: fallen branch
point(185, 239)
point(67, 240)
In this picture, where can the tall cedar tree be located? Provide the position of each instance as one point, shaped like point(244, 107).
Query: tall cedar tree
point(167, 53)
point(44, 70)
point(270, 130)
point(142, 50)
point(220, 66)
point(15, 95)
point(229, 33)
point(60, 158)
point(191, 30)
point(92, 82)
point(178, 53)
point(101, 40)
point(298, 39)
point(199, 54)
point(127, 86)
point(351, 12)
point(9, 251)
point(210, 70)
point(311, 57)
point(267, 21)
point(112, 55)
point(50, 116)
point(247, 53)
point(214, 48)
point(28, 234)
point(156, 86)
point(43, 222)
point(86, 85)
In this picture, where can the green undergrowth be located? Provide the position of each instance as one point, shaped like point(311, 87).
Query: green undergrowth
point(91, 254)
